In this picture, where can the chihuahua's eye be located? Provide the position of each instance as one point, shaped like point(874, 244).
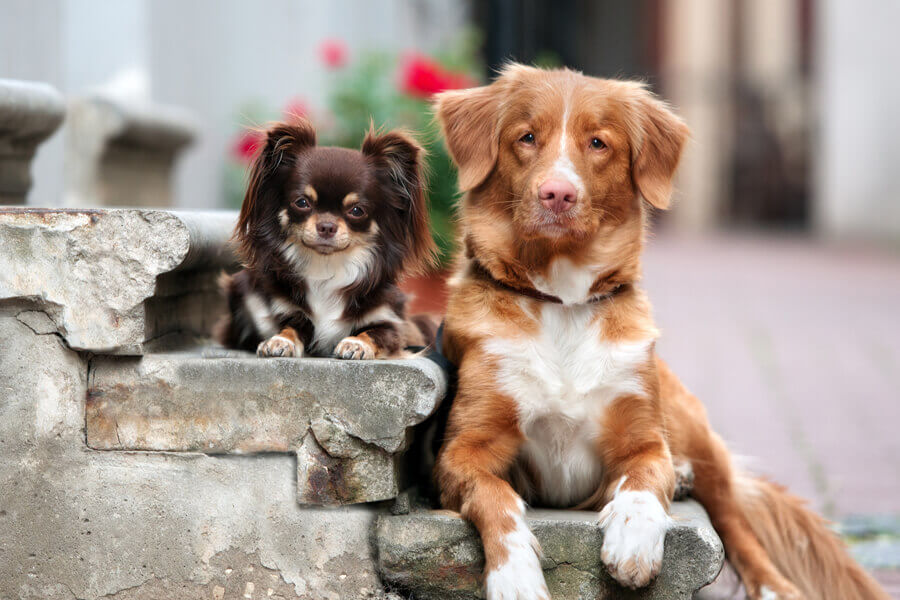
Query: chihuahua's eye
point(302, 203)
point(597, 144)
point(357, 212)
point(528, 138)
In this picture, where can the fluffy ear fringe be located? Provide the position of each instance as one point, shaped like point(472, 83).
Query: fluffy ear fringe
point(400, 160)
point(469, 123)
point(283, 141)
point(661, 139)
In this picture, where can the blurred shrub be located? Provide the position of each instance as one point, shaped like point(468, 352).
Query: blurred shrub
point(389, 89)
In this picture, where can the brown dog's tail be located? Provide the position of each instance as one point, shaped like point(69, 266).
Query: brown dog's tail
point(801, 545)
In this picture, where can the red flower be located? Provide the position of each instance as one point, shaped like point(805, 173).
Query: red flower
point(296, 107)
point(422, 77)
point(246, 145)
point(333, 53)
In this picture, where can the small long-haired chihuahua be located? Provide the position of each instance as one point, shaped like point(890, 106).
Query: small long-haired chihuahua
point(324, 234)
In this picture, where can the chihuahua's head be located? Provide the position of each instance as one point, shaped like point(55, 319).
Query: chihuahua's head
point(305, 202)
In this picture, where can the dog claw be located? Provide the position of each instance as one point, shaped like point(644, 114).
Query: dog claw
point(352, 348)
point(278, 346)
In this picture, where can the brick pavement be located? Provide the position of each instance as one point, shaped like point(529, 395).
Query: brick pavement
point(793, 345)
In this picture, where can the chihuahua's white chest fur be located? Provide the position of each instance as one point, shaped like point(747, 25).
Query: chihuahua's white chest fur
point(326, 278)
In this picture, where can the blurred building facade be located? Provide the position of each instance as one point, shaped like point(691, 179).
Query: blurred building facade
point(791, 102)
point(207, 56)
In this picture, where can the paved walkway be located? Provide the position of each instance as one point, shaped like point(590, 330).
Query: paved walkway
point(794, 347)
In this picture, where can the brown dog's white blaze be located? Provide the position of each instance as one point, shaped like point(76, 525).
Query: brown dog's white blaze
point(562, 400)
point(325, 234)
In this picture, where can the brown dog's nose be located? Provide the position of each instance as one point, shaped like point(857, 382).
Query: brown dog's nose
point(557, 195)
point(326, 229)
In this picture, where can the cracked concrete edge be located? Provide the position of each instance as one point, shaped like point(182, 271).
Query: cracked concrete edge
point(177, 402)
point(363, 474)
point(64, 261)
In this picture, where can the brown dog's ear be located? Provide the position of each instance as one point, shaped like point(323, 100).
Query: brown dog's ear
point(469, 121)
point(283, 143)
point(656, 153)
point(398, 159)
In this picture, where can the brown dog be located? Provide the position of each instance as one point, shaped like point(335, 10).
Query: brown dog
point(562, 400)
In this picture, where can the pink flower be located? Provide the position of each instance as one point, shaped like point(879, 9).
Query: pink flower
point(333, 52)
point(296, 107)
point(246, 145)
point(422, 77)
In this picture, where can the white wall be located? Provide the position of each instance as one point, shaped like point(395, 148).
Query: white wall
point(858, 150)
point(209, 56)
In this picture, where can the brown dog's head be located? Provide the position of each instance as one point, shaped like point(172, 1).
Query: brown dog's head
point(305, 201)
point(555, 157)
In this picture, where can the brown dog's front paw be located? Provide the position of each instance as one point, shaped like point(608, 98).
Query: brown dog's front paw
point(279, 346)
point(354, 348)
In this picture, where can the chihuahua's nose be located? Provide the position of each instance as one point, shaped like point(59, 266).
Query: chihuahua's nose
point(557, 195)
point(326, 229)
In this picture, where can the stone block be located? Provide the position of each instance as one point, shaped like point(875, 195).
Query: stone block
point(436, 555)
point(29, 113)
point(347, 421)
point(116, 281)
point(81, 523)
point(121, 153)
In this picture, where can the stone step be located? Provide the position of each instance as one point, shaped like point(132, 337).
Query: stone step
point(436, 555)
point(349, 422)
point(116, 281)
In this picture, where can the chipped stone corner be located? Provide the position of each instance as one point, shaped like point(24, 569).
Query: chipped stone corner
point(105, 277)
point(334, 468)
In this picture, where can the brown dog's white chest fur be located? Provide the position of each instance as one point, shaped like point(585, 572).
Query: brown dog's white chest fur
point(562, 380)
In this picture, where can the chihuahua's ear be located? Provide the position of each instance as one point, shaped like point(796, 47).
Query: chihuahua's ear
point(283, 143)
point(469, 121)
point(661, 137)
point(399, 162)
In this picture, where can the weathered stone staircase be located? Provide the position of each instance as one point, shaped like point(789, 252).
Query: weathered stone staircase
point(138, 462)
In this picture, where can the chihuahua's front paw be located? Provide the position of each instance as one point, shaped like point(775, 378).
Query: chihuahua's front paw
point(355, 348)
point(279, 346)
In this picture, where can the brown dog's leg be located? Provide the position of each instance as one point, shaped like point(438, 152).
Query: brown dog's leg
point(483, 439)
point(640, 484)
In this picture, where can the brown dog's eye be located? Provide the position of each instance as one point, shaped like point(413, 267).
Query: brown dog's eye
point(357, 212)
point(302, 203)
point(597, 144)
point(528, 138)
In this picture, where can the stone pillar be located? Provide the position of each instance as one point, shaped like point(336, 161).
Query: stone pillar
point(857, 149)
point(696, 79)
point(122, 154)
point(29, 113)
